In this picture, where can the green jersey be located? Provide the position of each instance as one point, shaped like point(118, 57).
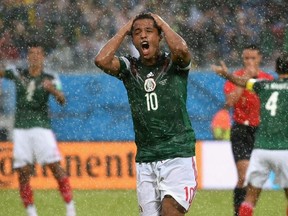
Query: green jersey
point(273, 130)
point(31, 98)
point(157, 96)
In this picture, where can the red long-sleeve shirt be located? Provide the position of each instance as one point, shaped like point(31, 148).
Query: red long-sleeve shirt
point(247, 108)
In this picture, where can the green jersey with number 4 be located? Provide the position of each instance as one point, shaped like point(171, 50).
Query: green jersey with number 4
point(273, 130)
point(157, 96)
point(31, 98)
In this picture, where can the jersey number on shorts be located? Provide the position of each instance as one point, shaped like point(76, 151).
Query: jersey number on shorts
point(271, 104)
point(189, 193)
point(152, 101)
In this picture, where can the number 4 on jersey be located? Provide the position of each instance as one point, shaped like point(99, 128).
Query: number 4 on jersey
point(30, 90)
point(271, 104)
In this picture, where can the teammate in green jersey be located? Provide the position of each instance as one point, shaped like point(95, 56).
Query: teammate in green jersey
point(156, 85)
point(271, 142)
point(33, 138)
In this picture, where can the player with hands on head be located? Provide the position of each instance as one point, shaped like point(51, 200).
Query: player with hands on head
point(156, 85)
point(246, 117)
point(270, 152)
point(33, 138)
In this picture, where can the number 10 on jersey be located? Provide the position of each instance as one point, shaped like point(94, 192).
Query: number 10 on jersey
point(152, 101)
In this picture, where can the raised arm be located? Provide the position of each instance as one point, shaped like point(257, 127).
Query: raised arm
point(177, 45)
point(106, 59)
point(222, 71)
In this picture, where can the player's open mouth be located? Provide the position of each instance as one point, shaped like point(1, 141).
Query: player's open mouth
point(145, 47)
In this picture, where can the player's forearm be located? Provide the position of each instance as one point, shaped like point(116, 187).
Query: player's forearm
point(2, 73)
point(107, 53)
point(176, 43)
point(222, 71)
point(59, 96)
point(104, 59)
point(61, 99)
point(237, 80)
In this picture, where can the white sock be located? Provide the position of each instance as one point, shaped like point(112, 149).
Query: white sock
point(31, 210)
point(70, 209)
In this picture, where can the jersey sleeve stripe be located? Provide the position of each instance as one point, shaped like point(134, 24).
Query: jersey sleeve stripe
point(126, 61)
point(188, 67)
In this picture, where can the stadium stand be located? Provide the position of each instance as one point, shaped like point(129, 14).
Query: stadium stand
point(73, 30)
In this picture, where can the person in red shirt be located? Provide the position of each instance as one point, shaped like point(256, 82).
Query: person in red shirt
point(246, 118)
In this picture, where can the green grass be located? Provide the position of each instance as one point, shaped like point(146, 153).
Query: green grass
point(124, 203)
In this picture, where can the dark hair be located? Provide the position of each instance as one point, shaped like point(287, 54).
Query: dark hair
point(282, 64)
point(34, 43)
point(146, 16)
point(252, 47)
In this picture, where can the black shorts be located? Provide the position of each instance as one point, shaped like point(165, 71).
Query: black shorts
point(242, 140)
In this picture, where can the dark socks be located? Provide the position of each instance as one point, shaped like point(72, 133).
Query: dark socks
point(239, 196)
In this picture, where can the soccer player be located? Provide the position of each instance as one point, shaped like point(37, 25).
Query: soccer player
point(246, 118)
point(271, 141)
point(156, 85)
point(33, 138)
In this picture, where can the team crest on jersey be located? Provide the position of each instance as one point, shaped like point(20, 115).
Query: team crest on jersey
point(149, 85)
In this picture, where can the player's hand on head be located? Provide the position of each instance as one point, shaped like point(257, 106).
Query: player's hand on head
point(157, 19)
point(128, 26)
point(221, 69)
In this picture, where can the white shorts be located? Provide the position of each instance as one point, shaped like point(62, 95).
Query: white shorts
point(34, 145)
point(263, 161)
point(174, 177)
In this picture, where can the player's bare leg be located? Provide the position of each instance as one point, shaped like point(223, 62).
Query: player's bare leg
point(252, 196)
point(241, 167)
point(24, 174)
point(26, 193)
point(286, 194)
point(64, 187)
point(240, 191)
point(57, 170)
point(170, 207)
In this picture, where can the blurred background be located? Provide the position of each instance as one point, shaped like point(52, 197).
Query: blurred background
point(97, 115)
point(73, 31)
